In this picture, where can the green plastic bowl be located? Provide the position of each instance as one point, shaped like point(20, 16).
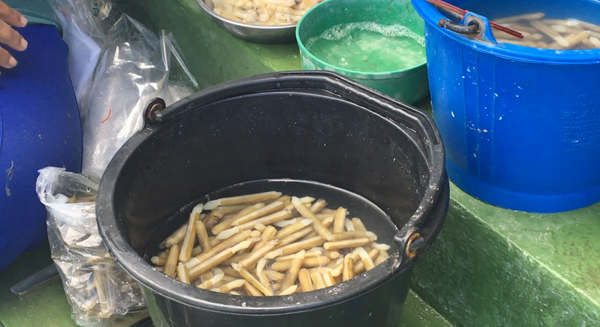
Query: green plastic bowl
point(408, 85)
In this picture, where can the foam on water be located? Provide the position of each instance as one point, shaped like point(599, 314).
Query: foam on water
point(342, 31)
point(369, 47)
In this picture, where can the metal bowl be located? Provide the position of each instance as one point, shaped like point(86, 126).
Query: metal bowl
point(271, 34)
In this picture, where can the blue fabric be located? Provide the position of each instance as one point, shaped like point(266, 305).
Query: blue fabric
point(39, 127)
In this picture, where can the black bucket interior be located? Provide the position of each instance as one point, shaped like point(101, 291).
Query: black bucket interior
point(312, 128)
point(270, 136)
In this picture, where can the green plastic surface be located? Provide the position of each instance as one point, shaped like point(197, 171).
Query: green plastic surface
point(45, 308)
point(49, 307)
point(409, 85)
point(497, 267)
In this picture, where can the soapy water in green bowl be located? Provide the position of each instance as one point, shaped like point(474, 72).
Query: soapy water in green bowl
point(369, 47)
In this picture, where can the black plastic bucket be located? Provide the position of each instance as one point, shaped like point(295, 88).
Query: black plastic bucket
point(313, 126)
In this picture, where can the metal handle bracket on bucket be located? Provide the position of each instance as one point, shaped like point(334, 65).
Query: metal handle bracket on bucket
point(472, 25)
point(422, 229)
point(152, 113)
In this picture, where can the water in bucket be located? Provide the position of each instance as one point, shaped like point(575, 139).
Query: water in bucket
point(369, 47)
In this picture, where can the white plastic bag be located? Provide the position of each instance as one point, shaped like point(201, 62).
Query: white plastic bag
point(84, 24)
point(133, 70)
point(99, 291)
point(84, 53)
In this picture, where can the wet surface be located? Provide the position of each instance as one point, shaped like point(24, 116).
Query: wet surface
point(497, 267)
point(49, 307)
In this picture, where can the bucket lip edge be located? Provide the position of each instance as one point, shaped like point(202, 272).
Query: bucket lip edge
point(139, 268)
point(510, 51)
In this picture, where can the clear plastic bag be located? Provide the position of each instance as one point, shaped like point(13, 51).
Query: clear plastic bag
point(99, 291)
point(84, 24)
point(133, 70)
point(92, 17)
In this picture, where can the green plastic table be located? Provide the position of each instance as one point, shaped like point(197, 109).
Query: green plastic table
point(49, 307)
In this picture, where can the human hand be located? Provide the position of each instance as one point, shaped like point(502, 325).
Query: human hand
point(8, 18)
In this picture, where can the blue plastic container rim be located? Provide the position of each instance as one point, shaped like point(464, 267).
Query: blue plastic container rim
point(509, 51)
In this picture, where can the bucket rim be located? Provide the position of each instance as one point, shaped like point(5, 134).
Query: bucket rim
point(174, 290)
point(510, 51)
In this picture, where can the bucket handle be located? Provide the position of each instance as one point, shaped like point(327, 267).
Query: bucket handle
point(472, 25)
point(472, 28)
